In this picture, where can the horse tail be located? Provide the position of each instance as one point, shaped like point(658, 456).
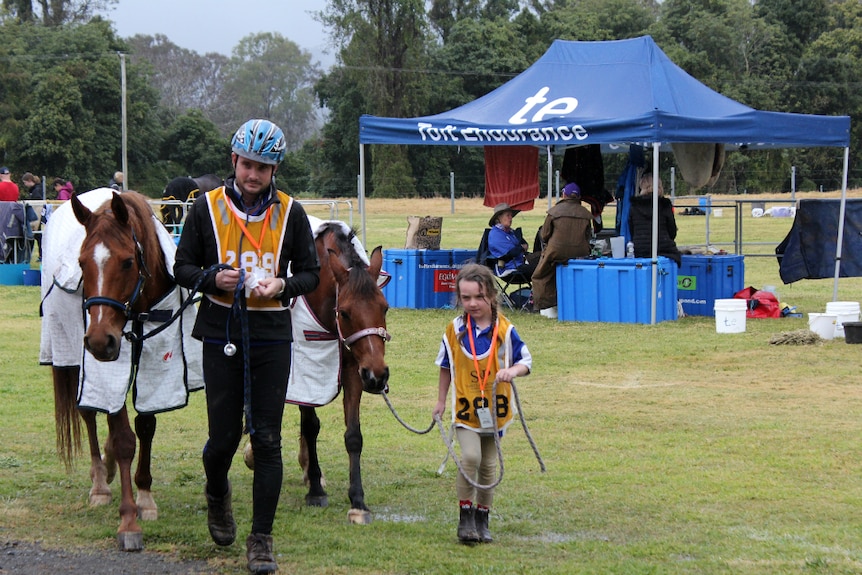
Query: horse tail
point(66, 419)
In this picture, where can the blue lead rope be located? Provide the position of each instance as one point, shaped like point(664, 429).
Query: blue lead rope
point(239, 311)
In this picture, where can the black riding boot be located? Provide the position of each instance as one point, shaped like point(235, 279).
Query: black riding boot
point(467, 525)
point(482, 519)
point(220, 518)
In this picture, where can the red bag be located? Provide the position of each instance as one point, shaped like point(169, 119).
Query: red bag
point(759, 303)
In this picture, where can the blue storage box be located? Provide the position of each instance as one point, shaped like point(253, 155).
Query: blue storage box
point(13, 274)
point(702, 279)
point(615, 290)
point(423, 278)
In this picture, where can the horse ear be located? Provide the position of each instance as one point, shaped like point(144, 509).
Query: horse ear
point(338, 270)
point(82, 212)
point(376, 260)
point(118, 206)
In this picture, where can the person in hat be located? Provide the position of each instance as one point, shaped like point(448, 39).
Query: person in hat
point(8, 190)
point(566, 234)
point(508, 246)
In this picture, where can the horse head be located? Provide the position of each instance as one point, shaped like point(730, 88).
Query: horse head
point(360, 310)
point(121, 276)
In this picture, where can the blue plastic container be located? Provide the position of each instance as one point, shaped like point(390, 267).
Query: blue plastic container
point(702, 279)
point(615, 290)
point(423, 278)
point(12, 274)
point(32, 277)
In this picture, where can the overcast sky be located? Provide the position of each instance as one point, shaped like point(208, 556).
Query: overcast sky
point(218, 25)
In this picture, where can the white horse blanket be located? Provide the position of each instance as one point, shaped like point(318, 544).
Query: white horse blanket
point(170, 365)
point(315, 363)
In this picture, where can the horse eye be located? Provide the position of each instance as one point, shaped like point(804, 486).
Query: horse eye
point(128, 263)
point(344, 315)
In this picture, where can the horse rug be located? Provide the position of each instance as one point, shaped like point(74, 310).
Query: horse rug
point(315, 364)
point(170, 364)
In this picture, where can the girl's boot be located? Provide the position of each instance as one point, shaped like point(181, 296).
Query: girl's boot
point(467, 525)
point(482, 519)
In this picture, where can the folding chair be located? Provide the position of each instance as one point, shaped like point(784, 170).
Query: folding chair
point(511, 284)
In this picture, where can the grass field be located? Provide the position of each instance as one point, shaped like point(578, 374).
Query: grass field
point(670, 448)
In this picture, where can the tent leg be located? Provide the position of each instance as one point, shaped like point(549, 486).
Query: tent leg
point(840, 241)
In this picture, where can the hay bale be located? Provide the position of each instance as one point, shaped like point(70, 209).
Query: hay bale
point(798, 337)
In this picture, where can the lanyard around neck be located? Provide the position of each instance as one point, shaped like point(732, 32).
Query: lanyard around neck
point(482, 380)
point(257, 244)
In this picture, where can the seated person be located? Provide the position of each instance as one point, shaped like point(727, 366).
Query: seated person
point(640, 222)
point(508, 247)
point(566, 234)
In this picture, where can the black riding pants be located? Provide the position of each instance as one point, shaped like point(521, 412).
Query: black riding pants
point(223, 377)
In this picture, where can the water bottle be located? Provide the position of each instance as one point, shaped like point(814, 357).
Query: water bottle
point(630, 250)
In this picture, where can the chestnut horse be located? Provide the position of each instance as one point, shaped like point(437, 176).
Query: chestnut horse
point(349, 305)
point(123, 273)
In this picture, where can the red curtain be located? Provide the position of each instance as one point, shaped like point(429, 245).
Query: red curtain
point(511, 176)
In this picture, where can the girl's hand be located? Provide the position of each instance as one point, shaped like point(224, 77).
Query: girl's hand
point(226, 280)
point(438, 410)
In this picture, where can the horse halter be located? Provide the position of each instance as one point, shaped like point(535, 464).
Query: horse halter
point(350, 340)
point(126, 307)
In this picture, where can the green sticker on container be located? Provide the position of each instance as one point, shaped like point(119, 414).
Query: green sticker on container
point(687, 283)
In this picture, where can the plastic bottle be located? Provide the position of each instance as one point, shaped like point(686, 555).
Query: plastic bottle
point(630, 250)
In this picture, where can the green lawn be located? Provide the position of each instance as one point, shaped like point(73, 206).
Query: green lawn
point(670, 448)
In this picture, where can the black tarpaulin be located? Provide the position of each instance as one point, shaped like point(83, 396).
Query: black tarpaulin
point(810, 247)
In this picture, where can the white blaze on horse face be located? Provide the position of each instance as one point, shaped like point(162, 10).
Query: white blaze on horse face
point(101, 255)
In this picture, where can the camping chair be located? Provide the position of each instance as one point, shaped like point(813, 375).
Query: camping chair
point(512, 285)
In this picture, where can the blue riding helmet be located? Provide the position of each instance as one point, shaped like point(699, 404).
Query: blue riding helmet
point(259, 140)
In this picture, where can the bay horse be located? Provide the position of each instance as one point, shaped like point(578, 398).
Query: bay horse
point(123, 274)
point(349, 307)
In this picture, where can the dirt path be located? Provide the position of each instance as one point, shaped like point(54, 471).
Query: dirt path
point(23, 558)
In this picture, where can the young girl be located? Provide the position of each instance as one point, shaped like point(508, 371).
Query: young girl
point(480, 347)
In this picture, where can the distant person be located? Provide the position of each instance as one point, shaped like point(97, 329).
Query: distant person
point(64, 188)
point(507, 246)
point(566, 234)
point(35, 192)
point(640, 222)
point(35, 187)
point(8, 190)
point(116, 182)
point(479, 347)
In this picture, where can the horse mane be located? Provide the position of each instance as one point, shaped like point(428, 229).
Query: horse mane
point(359, 279)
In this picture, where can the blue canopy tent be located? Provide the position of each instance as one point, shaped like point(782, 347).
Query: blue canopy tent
point(612, 92)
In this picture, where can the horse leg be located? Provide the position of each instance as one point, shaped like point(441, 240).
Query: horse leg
point(309, 430)
point(145, 429)
point(122, 439)
point(352, 390)
point(100, 493)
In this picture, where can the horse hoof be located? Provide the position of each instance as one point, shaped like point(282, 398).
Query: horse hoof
point(248, 456)
point(148, 514)
point(317, 500)
point(97, 498)
point(359, 517)
point(130, 541)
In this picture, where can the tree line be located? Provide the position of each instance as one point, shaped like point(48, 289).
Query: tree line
point(60, 86)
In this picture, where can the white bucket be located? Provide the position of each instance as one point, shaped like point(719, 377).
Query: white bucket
point(730, 315)
point(823, 324)
point(844, 311)
point(618, 247)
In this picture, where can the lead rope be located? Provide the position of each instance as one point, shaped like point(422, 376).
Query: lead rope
point(449, 440)
point(239, 310)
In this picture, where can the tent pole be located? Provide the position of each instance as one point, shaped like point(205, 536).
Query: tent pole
point(361, 190)
point(840, 241)
point(654, 247)
point(550, 160)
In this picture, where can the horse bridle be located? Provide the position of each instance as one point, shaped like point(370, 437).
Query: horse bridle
point(350, 340)
point(126, 307)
